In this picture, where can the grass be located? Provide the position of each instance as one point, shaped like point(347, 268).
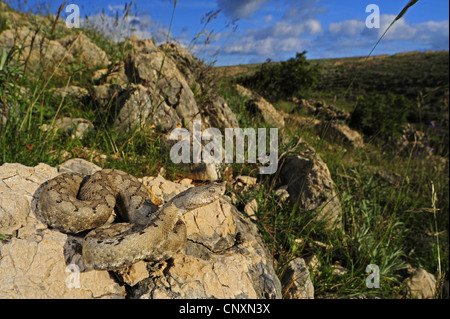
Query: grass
point(390, 222)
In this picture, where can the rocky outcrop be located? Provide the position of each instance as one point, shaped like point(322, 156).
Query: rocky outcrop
point(224, 256)
point(36, 51)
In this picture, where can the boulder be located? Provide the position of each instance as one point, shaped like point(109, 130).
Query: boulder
point(155, 70)
point(76, 127)
point(82, 48)
point(309, 183)
point(224, 256)
point(72, 92)
point(267, 110)
point(36, 262)
point(338, 132)
point(296, 281)
point(36, 51)
point(420, 285)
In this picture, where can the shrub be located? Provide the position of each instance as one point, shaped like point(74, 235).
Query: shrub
point(291, 78)
point(381, 117)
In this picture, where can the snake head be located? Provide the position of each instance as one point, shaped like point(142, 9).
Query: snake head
point(199, 196)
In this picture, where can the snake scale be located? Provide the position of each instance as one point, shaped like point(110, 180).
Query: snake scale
point(74, 202)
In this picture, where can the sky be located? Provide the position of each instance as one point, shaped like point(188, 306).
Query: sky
point(232, 32)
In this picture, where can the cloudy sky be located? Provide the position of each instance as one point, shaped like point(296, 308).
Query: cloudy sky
point(249, 31)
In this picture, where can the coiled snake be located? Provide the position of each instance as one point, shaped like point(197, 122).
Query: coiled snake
point(74, 202)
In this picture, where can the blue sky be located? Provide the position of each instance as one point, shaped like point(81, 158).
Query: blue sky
point(250, 31)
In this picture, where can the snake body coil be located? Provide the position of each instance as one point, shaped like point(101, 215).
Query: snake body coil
point(73, 203)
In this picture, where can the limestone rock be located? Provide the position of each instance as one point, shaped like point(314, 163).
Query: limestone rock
point(241, 268)
point(39, 52)
point(340, 133)
point(266, 109)
point(38, 262)
point(307, 176)
point(251, 208)
point(224, 256)
point(420, 285)
point(217, 113)
point(297, 282)
point(75, 127)
point(172, 90)
point(78, 165)
point(81, 47)
point(72, 92)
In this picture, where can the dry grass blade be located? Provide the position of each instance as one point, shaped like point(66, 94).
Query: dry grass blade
point(409, 5)
point(398, 17)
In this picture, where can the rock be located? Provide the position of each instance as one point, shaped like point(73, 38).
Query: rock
point(313, 264)
point(282, 193)
point(325, 112)
point(307, 173)
point(251, 208)
point(38, 262)
point(114, 74)
point(69, 125)
point(134, 273)
point(297, 282)
point(217, 113)
point(143, 46)
point(269, 113)
point(135, 108)
point(247, 180)
point(305, 104)
point(226, 262)
point(338, 269)
point(172, 90)
point(330, 112)
point(37, 52)
point(420, 285)
point(411, 140)
point(340, 133)
point(184, 61)
point(82, 48)
point(224, 256)
point(78, 165)
point(204, 171)
point(72, 92)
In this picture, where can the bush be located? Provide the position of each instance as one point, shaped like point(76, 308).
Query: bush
point(291, 78)
point(382, 117)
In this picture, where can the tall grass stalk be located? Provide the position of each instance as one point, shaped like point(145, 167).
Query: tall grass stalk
point(398, 17)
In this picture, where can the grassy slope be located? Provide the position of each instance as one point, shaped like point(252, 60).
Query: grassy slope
point(384, 222)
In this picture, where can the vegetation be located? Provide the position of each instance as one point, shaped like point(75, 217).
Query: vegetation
point(294, 77)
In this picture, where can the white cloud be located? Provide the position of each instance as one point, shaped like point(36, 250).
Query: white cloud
point(118, 30)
